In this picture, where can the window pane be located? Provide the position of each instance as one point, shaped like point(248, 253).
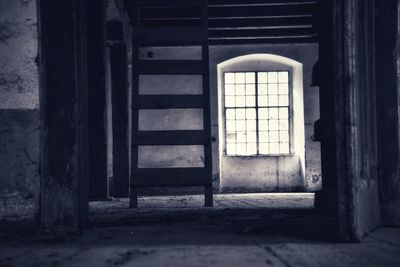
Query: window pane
point(251, 148)
point(240, 77)
point(272, 77)
point(229, 89)
point(251, 137)
point(273, 101)
point(240, 125)
point(229, 101)
point(230, 126)
point(273, 89)
point(240, 114)
point(230, 137)
point(229, 78)
point(263, 137)
point(284, 136)
point(230, 114)
point(273, 125)
point(283, 125)
point(274, 137)
point(240, 89)
point(262, 101)
point(262, 77)
point(230, 149)
point(250, 89)
point(274, 148)
point(283, 89)
point(240, 101)
point(283, 77)
point(284, 148)
point(251, 101)
point(251, 125)
point(273, 113)
point(263, 148)
point(283, 113)
point(284, 100)
point(250, 113)
point(262, 89)
point(241, 137)
point(241, 149)
point(263, 113)
point(263, 125)
point(250, 77)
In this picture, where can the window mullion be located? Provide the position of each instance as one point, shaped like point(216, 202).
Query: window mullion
point(257, 134)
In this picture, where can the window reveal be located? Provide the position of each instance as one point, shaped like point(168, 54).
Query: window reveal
point(257, 107)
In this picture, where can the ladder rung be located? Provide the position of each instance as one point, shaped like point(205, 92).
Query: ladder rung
point(171, 177)
point(163, 3)
point(169, 101)
point(183, 137)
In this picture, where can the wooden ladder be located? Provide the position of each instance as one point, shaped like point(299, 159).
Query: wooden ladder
point(163, 36)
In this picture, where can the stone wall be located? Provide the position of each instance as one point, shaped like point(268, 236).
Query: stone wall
point(19, 102)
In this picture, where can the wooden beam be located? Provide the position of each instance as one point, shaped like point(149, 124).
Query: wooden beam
point(171, 177)
point(263, 33)
point(97, 100)
point(120, 108)
point(63, 107)
point(262, 40)
point(162, 3)
point(169, 101)
point(256, 23)
point(168, 67)
point(170, 36)
point(183, 137)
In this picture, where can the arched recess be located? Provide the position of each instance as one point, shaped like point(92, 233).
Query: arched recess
point(264, 172)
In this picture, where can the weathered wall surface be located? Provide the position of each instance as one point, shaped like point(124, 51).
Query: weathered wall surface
point(19, 102)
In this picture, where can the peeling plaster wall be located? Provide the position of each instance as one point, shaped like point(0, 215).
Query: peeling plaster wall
point(19, 102)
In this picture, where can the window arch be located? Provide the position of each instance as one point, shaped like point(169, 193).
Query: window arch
point(261, 106)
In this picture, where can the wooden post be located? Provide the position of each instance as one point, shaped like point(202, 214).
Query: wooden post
point(120, 109)
point(96, 70)
point(388, 73)
point(63, 107)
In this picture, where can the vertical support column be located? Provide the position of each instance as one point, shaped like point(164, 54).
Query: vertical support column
point(133, 203)
point(387, 80)
point(326, 199)
point(97, 100)
point(63, 107)
point(119, 95)
point(208, 192)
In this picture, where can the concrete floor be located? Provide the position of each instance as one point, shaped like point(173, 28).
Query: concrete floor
point(241, 230)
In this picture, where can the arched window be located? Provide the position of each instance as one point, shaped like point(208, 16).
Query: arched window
point(261, 106)
point(257, 112)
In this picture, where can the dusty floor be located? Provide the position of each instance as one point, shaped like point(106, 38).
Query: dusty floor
point(245, 230)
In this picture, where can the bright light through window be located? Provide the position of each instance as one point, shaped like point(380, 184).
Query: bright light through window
point(257, 113)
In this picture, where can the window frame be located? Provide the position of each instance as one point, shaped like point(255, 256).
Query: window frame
point(257, 107)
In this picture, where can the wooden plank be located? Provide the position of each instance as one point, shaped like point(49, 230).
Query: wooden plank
point(170, 177)
point(256, 23)
point(120, 107)
point(236, 33)
point(162, 3)
point(261, 11)
point(184, 137)
point(168, 101)
point(169, 36)
point(168, 67)
point(261, 40)
point(63, 114)
point(225, 3)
